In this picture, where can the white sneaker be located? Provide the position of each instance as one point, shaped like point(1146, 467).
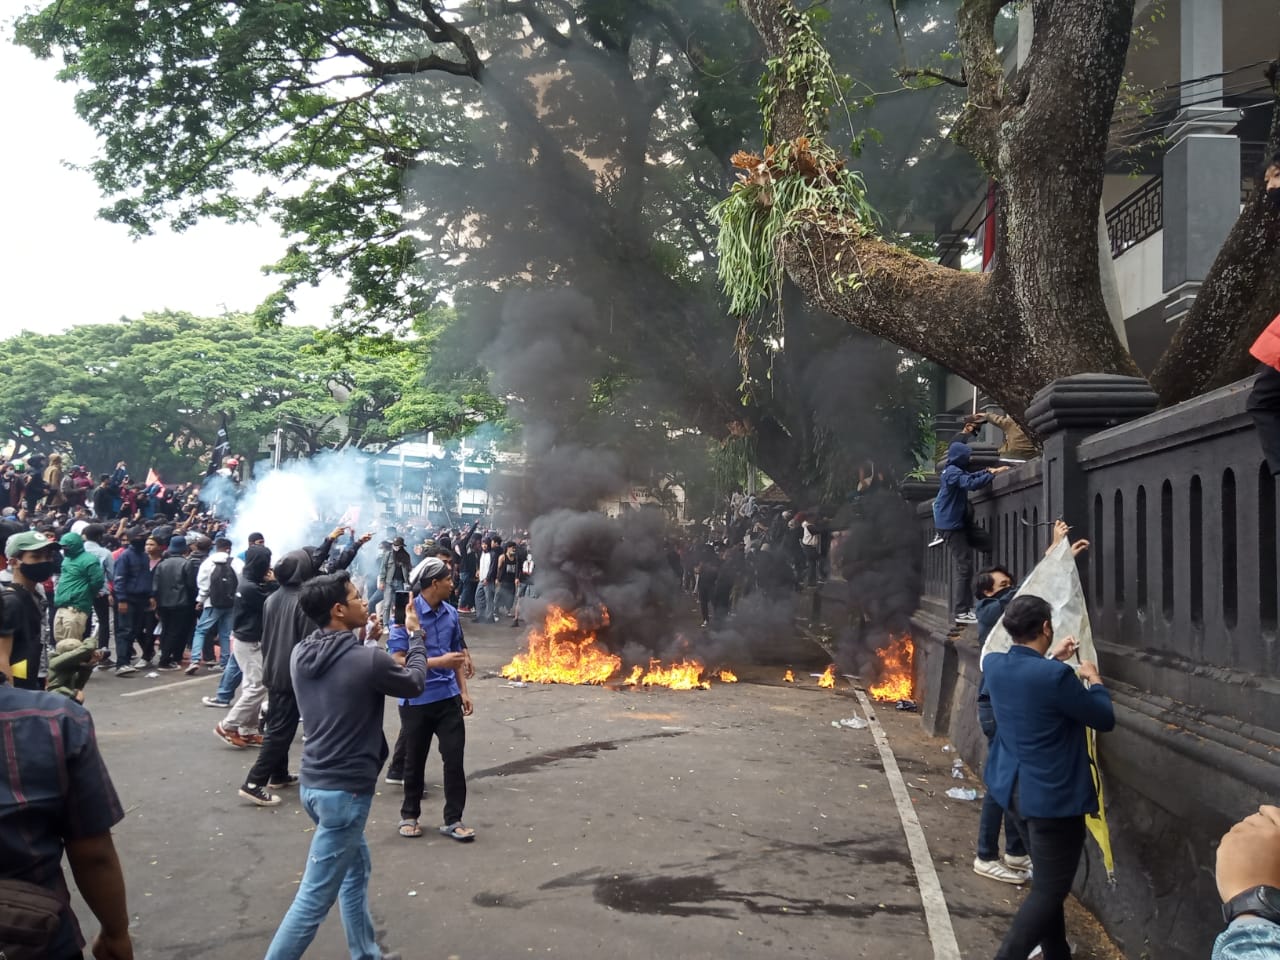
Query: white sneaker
point(966, 617)
point(125, 670)
point(995, 870)
point(1018, 863)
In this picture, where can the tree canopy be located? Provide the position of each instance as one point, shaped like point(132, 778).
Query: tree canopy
point(154, 391)
point(477, 147)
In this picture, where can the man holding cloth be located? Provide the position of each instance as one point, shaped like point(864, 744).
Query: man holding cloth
point(1038, 767)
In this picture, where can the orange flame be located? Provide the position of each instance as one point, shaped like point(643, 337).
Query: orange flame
point(896, 669)
point(563, 651)
point(828, 679)
point(788, 677)
point(728, 676)
point(685, 675)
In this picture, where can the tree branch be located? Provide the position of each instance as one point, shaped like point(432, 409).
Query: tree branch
point(909, 73)
point(979, 124)
point(954, 318)
point(790, 121)
point(538, 22)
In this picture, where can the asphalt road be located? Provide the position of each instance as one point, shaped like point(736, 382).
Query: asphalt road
point(626, 823)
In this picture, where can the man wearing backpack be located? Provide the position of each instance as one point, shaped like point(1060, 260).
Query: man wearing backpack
point(216, 583)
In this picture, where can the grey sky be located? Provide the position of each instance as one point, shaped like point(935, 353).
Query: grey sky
point(60, 265)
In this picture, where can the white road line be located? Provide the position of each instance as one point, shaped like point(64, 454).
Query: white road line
point(938, 919)
point(166, 686)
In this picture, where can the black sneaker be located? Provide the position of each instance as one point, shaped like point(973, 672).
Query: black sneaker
point(395, 779)
point(258, 794)
point(280, 783)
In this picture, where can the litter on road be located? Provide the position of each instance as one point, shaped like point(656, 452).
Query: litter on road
point(851, 723)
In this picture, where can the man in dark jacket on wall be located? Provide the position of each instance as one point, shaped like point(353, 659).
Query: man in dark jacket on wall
point(342, 685)
point(284, 624)
point(951, 520)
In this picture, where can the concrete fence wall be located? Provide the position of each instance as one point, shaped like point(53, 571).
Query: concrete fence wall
point(1182, 581)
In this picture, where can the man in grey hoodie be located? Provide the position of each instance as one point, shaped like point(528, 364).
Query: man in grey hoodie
point(341, 686)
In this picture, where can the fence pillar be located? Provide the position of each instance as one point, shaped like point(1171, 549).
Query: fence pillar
point(1063, 414)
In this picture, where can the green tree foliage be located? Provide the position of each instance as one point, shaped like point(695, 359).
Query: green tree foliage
point(471, 147)
point(153, 391)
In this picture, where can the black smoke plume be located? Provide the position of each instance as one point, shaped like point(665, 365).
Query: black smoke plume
point(545, 358)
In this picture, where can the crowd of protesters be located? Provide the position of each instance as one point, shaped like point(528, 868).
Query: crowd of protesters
point(123, 577)
point(773, 550)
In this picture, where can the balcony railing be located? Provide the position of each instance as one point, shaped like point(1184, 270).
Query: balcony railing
point(1136, 217)
point(1141, 213)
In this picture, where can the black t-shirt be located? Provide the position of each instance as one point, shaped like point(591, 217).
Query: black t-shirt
point(510, 568)
point(23, 618)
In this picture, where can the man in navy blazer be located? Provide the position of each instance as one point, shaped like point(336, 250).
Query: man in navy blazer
point(1038, 767)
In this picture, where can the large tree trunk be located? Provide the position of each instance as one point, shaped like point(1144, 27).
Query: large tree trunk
point(1040, 314)
point(1238, 298)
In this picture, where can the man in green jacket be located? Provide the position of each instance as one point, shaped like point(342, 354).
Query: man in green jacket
point(78, 583)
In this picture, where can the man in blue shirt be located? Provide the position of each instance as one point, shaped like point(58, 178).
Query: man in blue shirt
point(1038, 767)
point(440, 709)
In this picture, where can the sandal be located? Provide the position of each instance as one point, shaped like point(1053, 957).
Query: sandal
point(456, 831)
point(410, 828)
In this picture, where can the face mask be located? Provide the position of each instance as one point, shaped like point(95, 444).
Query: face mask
point(39, 572)
point(1273, 197)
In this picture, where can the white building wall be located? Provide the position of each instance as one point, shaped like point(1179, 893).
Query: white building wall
point(1140, 275)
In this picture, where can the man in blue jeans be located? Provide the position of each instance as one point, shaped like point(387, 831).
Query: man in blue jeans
point(341, 686)
point(217, 579)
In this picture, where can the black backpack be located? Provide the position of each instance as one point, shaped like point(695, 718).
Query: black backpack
point(222, 586)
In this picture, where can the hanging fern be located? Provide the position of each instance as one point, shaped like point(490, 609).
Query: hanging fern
point(794, 182)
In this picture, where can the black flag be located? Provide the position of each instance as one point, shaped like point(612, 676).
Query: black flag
point(221, 450)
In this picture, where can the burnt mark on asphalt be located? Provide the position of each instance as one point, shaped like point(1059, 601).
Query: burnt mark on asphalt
point(487, 899)
point(701, 895)
point(863, 849)
point(581, 751)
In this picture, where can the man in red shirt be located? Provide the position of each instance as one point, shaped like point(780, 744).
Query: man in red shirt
point(1264, 399)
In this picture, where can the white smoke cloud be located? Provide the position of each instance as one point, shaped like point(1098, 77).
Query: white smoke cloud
point(296, 505)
